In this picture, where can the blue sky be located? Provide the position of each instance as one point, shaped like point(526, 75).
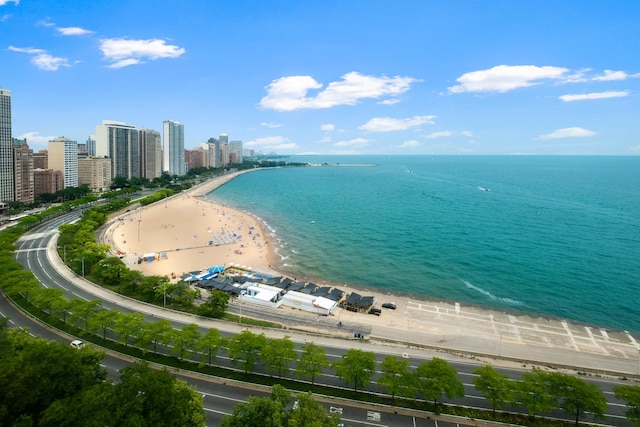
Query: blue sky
point(332, 77)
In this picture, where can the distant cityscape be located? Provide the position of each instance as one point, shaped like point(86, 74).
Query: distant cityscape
point(115, 150)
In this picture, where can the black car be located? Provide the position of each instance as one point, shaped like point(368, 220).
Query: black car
point(390, 305)
point(375, 311)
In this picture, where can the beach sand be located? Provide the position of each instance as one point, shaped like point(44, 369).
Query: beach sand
point(188, 233)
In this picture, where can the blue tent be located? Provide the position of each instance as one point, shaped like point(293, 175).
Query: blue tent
point(216, 269)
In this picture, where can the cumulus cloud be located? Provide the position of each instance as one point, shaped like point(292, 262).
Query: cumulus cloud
point(389, 101)
point(41, 59)
point(467, 133)
point(123, 52)
point(352, 143)
point(609, 75)
point(327, 127)
point(412, 143)
point(4, 2)
point(35, 140)
point(388, 124)
point(270, 125)
point(595, 95)
point(574, 132)
point(503, 78)
point(440, 134)
point(272, 143)
point(290, 93)
point(73, 31)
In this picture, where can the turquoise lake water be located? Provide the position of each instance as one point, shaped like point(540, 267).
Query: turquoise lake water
point(555, 236)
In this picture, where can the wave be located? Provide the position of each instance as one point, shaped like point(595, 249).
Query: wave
point(489, 295)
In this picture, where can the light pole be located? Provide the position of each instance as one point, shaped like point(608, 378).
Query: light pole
point(82, 266)
point(164, 295)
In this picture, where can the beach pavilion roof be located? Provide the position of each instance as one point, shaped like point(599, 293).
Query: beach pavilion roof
point(296, 286)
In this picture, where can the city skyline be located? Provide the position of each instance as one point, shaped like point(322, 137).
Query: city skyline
point(333, 78)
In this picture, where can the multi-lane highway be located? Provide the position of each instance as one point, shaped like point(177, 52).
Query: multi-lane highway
point(31, 252)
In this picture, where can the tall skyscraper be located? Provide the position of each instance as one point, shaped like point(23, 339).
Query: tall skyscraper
point(91, 146)
point(63, 156)
point(119, 142)
point(6, 148)
point(173, 148)
point(150, 153)
point(235, 151)
point(23, 171)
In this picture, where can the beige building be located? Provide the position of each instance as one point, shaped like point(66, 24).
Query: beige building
point(23, 171)
point(95, 172)
point(63, 156)
point(41, 160)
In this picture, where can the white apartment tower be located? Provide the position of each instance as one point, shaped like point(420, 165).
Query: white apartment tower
point(63, 156)
point(150, 154)
point(235, 151)
point(119, 142)
point(6, 148)
point(173, 148)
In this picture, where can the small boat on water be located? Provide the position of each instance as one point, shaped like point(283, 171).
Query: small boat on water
point(483, 189)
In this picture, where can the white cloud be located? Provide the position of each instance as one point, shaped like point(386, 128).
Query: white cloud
point(327, 127)
point(595, 95)
point(6, 17)
point(389, 101)
point(388, 124)
point(635, 149)
point(290, 93)
point(4, 2)
point(577, 76)
point(353, 143)
point(73, 31)
point(35, 140)
point(611, 75)
point(412, 143)
point(270, 125)
point(574, 132)
point(467, 133)
point(42, 59)
point(441, 134)
point(503, 78)
point(272, 143)
point(124, 52)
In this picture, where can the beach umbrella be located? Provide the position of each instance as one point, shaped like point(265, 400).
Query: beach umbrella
point(216, 269)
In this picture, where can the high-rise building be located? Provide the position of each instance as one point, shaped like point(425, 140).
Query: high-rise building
point(150, 154)
point(235, 151)
point(173, 147)
point(23, 171)
point(214, 153)
point(119, 142)
point(95, 172)
point(41, 160)
point(63, 156)
point(6, 148)
point(47, 181)
point(91, 146)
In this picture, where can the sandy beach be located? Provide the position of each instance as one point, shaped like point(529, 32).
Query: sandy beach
point(186, 233)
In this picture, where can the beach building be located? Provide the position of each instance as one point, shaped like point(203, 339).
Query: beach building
point(261, 294)
point(310, 303)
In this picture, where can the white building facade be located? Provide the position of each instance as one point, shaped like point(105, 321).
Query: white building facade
point(173, 148)
point(63, 156)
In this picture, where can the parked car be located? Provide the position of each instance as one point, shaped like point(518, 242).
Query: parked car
point(375, 311)
point(389, 305)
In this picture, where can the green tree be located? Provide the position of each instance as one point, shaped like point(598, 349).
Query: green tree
point(154, 333)
point(155, 398)
point(109, 271)
point(215, 306)
point(532, 392)
point(260, 411)
point(48, 298)
point(312, 361)
point(356, 367)
point(209, 343)
point(437, 378)
point(278, 354)
point(631, 396)
point(245, 349)
point(309, 413)
point(103, 321)
point(395, 376)
point(577, 397)
point(494, 385)
point(126, 325)
point(184, 340)
point(83, 311)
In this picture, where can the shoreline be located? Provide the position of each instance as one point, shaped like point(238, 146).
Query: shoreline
point(179, 226)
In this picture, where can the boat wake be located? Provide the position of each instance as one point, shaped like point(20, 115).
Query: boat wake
point(490, 295)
